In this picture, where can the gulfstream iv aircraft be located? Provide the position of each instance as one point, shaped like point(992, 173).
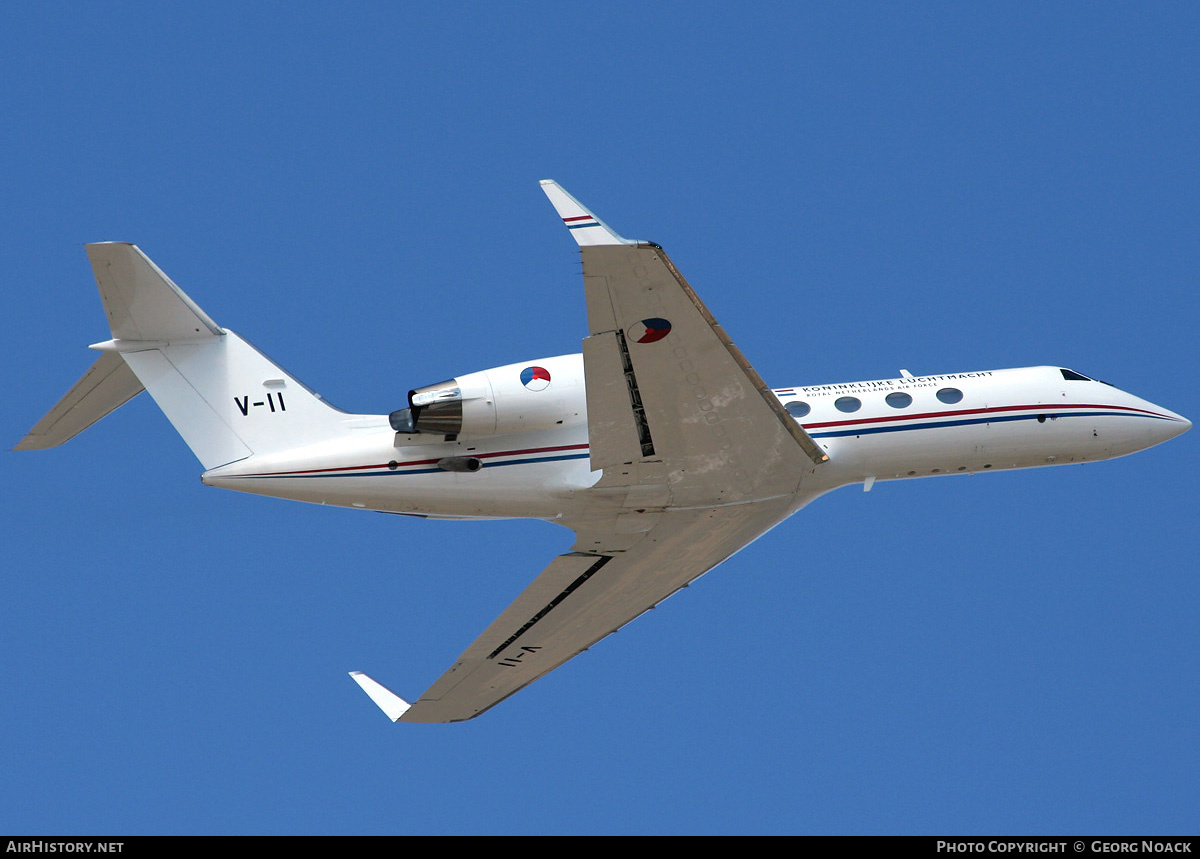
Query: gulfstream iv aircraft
point(659, 445)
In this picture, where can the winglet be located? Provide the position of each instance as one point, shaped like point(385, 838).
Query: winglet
point(388, 701)
point(585, 227)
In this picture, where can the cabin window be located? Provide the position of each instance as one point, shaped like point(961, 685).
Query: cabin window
point(1072, 376)
point(898, 400)
point(950, 395)
point(847, 404)
point(797, 408)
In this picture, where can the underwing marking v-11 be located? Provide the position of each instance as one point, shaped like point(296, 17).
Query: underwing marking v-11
point(659, 446)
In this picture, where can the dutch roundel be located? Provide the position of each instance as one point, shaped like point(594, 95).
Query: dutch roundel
point(650, 330)
point(535, 378)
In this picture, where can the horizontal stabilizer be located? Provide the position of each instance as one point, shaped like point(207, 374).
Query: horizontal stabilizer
point(108, 385)
point(142, 303)
point(388, 701)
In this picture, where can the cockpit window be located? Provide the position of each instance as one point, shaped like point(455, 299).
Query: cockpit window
point(1072, 376)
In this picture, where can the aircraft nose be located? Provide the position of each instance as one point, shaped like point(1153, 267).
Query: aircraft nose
point(1153, 426)
point(1169, 429)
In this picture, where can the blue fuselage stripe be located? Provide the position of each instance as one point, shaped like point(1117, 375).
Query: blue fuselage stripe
point(994, 419)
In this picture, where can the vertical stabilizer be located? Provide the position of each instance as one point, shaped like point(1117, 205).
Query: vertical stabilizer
point(229, 401)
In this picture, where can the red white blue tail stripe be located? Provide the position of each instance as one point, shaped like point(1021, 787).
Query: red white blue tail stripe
point(578, 222)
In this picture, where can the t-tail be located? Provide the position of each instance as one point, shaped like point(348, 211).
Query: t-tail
point(227, 399)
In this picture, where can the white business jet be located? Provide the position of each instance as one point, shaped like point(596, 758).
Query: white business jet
point(659, 446)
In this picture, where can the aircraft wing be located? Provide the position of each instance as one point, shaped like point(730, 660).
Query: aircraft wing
point(579, 599)
point(666, 384)
point(699, 459)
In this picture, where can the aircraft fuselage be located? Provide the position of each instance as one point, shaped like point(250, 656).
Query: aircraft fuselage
point(889, 429)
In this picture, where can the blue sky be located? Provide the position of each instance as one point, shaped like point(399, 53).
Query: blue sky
point(852, 188)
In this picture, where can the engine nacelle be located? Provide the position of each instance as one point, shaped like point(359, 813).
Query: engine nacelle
point(541, 395)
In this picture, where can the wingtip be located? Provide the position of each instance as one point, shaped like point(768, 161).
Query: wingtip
point(392, 705)
point(585, 227)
